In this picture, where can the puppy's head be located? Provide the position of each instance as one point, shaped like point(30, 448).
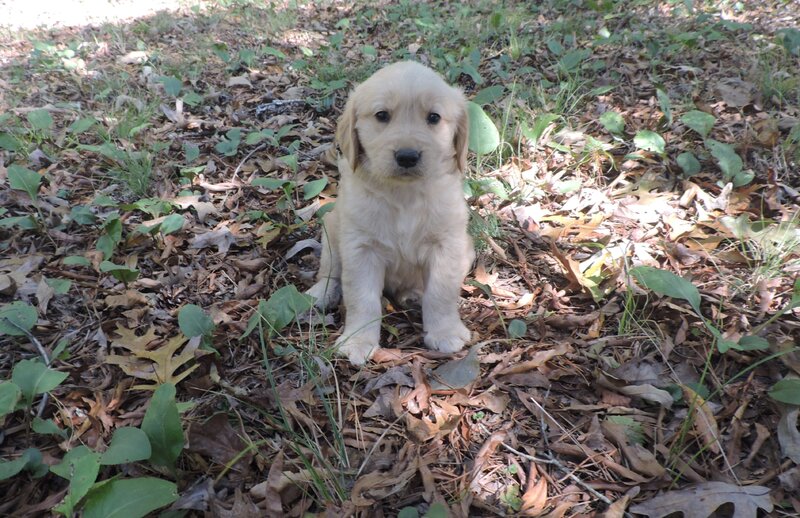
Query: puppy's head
point(404, 123)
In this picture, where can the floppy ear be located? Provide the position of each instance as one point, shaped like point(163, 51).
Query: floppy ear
point(461, 140)
point(346, 134)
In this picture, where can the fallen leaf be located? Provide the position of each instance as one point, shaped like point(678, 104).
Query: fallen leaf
point(457, 374)
point(788, 434)
point(640, 459)
point(216, 439)
point(534, 499)
point(203, 208)
point(703, 419)
point(221, 238)
point(701, 500)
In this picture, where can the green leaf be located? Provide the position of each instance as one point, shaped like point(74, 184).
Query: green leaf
point(665, 105)
point(9, 397)
point(701, 122)
point(489, 95)
point(230, 144)
point(649, 141)
point(121, 273)
point(172, 223)
point(172, 85)
point(540, 124)
point(612, 122)
point(24, 222)
point(129, 498)
point(752, 343)
point(517, 328)
point(688, 163)
point(82, 125)
point(408, 512)
point(573, 59)
point(34, 377)
point(162, 424)
point(76, 260)
point(40, 120)
point(191, 152)
point(729, 162)
point(9, 142)
point(30, 460)
point(483, 135)
point(60, 286)
point(313, 188)
point(22, 179)
point(81, 470)
point(128, 445)
point(270, 183)
point(786, 391)
point(280, 310)
point(437, 510)
point(15, 316)
point(47, 427)
point(667, 283)
point(63, 469)
point(82, 215)
point(193, 321)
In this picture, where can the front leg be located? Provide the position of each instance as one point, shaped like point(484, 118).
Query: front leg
point(444, 274)
point(363, 272)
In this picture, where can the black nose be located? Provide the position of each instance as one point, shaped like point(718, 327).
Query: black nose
point(407, 157)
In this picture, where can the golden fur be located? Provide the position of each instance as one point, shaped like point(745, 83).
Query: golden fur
point(400, 223)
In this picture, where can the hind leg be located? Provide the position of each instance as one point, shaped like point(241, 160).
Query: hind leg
point(328, 289)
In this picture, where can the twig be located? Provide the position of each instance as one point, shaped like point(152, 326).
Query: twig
point(251, 153)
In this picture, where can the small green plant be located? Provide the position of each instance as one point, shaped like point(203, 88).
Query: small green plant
point(193, 321)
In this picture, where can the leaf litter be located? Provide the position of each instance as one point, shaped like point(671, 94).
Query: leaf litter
point(612, 397)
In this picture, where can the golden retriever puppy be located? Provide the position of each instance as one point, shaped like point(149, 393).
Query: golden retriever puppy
point(400, 222)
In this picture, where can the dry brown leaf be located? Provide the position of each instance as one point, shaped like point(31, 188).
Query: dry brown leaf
point(702, 500)
point(374, 486)
point(641, 460)
point(43, 295)
point(221, 238)
point(703, 419)
point(539, 359)
point(127, 299)
point(203, 208)
point(534, 499)
point(217, 439)
point(159, 365)
point(788, 434)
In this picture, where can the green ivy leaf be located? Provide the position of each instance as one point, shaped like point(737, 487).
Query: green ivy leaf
point(129, 498)
point(121, 273)
point(34, 377)
point(162, 424)
point(172, 223)
point(667, 283)
point(650, 141)
point(280, 310)
point(612, 122)
point(729, 162)
point(688, 163)
point(517, 328)
point(128, 445)
point(193, 321)
point(701, 122)
point(17, 315)
point(22, 179)
point(483, 135)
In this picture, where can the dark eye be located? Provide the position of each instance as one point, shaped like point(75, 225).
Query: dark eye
point(382, 116)
point(434, 118)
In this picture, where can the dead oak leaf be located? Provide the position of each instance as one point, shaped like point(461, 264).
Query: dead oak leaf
point(702, 500)
point(704, 422)
point(159, 365)
point(221, 238)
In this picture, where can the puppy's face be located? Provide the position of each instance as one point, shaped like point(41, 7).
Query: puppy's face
point(404, 123)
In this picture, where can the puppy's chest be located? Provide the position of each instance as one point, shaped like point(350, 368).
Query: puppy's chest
point(405, 232)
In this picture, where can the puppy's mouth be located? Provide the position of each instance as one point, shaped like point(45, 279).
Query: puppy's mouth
point(406, 173)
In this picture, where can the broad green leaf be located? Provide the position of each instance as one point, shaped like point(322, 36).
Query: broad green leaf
point(128, 445)
point(82, 125)
point(786, 391)
point(83, 215)
point(271, 183)
point(313, 188)
point(665, 105)
point(30, 459)
point(162, 424)
point(517, 328)
point(540, 124)
point(24, 222)
point(60, 286)
point(437, 510)
point(649, 141)
point(9, 142)
point(82, 470)
point(172, 85)
point(129, 498)
point(701, 122)
point(489, 95)
point(230, 144)
point(667, 283)
point(9, 397)
point(753, 343)
point(15, 316)
point(483, 135)
point(572, 59)
point(191, 152)
point(47, 427)
point(612, 122)
point(76, 260)
point(121, 273)
point(172, 223)
point(63, 468)
point(280, 310)
point(688, 163)
point(408, 512)
point(193, 321)
point(34, 377)
point(729, 162)
point(22, 179)
point(40, 120)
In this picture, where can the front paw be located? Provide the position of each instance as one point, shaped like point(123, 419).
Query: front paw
point(448, 339)
point(356, 348)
